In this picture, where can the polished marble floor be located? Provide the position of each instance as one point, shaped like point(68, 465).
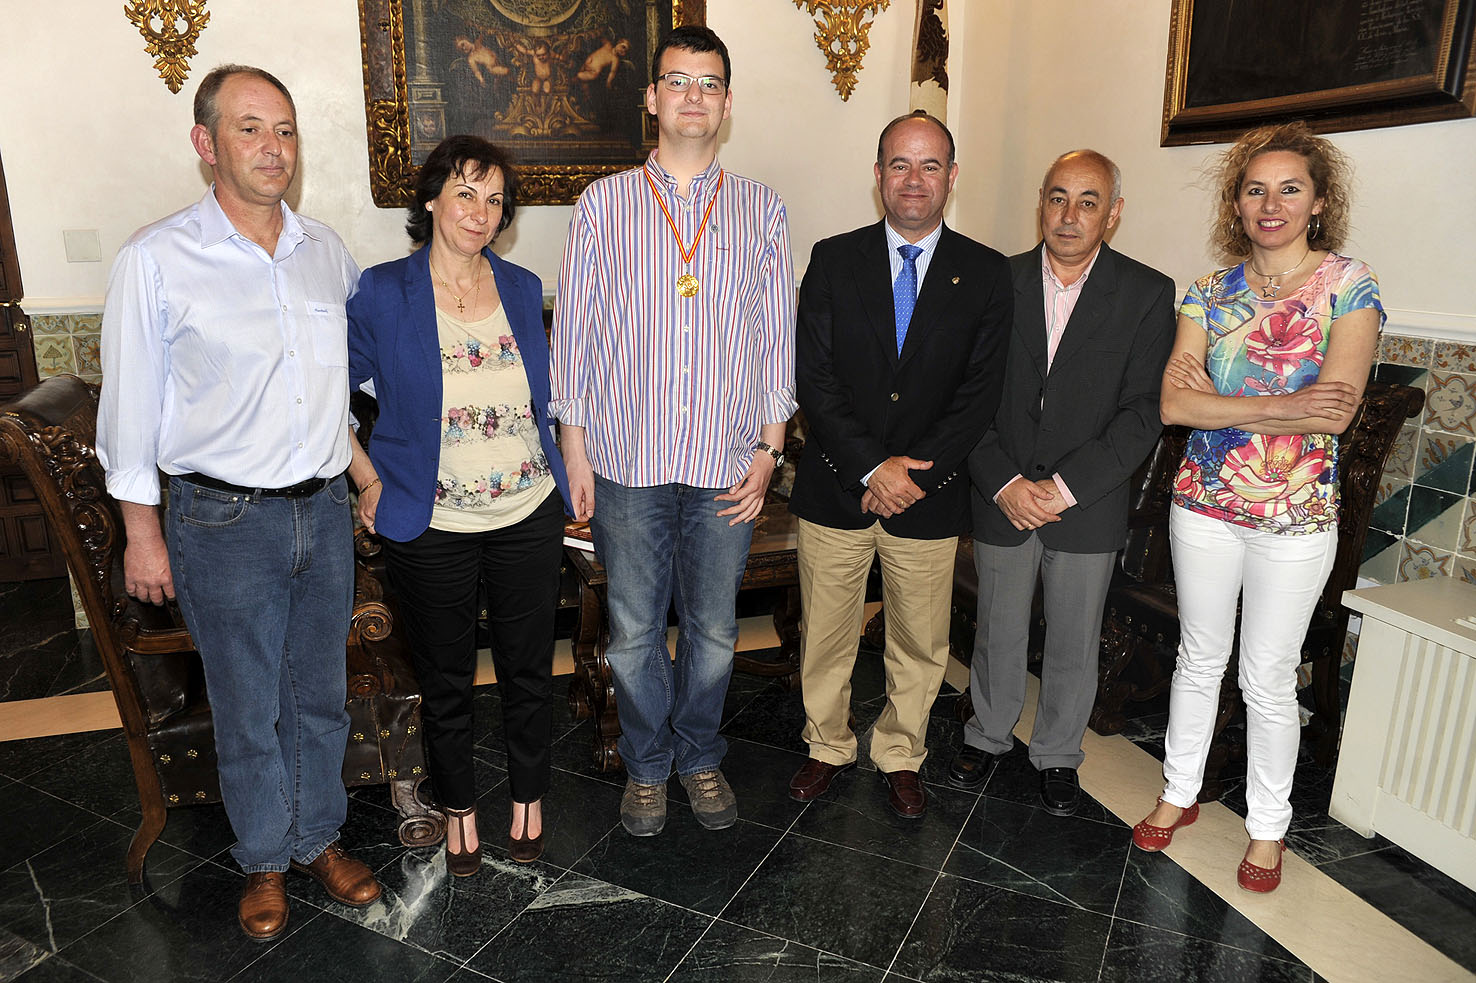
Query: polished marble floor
point(986, 887)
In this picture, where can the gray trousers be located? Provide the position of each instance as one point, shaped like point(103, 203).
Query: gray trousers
point(1075, 592)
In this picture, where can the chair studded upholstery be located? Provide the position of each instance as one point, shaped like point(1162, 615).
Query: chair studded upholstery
point(157, 680)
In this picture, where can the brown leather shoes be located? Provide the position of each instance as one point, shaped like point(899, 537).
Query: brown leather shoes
point(262, 913)
point(905, 793)
point(813, 778)
point(345, 879)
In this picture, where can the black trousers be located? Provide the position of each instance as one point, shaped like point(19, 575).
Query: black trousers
point(436, 576)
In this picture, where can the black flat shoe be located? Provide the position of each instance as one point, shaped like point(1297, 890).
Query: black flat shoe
point(1060, 792)
point(463, 863)
point(525, 849)
point(970, 768)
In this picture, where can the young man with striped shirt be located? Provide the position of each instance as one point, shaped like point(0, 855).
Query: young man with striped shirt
point(673, 377)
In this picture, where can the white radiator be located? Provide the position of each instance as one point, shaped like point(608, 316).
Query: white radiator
point(1407, 763)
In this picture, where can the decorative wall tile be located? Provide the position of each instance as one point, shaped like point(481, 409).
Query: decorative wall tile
point(1421, 562)
point(1451, 403)
point(1405, 351)
point(51, 323)
point(1468, 532)
point(1402, 454)
point(1452, 356)
point(89, 356)
point(1444, 462)
point(1435, 518)
point(1389, 515)
point(1465, 568)
point(54, 354)
point(1376, 541)
point(1404, 375)
point(1382, 566)
point(68, 343)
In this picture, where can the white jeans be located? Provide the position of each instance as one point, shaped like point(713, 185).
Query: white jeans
point(1282, 577)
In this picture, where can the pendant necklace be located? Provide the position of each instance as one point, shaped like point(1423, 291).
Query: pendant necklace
point(1272, 288)
point(687, 284)
point(476, 285)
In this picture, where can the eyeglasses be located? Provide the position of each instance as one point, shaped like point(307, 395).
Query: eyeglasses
point(709, 85)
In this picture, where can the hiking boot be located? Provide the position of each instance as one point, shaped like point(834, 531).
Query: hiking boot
point(643, 808)
point(712, 798)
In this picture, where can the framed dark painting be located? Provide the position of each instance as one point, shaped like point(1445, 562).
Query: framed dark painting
point(1349, 65)
point(559, 83)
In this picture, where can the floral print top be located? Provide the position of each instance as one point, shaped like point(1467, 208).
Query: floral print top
point(493, 472)
point(1266, 347)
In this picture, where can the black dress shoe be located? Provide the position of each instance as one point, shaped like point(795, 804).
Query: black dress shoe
point(1060, 792)
point(970, 768)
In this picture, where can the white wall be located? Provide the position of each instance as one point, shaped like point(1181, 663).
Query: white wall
point(92, 139)
point(1053, 75)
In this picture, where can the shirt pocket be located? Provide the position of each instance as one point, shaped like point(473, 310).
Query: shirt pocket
point(327, 324)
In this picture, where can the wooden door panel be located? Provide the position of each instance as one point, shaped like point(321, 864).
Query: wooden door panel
point(26, 552)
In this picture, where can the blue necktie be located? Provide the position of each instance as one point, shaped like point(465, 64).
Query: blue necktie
point(904, 291)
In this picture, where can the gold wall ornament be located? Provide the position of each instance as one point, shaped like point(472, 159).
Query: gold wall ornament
point(841, 32)
point(170, 29)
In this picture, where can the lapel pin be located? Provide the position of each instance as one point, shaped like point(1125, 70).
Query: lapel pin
point(955, 281)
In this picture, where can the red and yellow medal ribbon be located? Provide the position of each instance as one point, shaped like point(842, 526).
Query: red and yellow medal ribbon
point(687, 254)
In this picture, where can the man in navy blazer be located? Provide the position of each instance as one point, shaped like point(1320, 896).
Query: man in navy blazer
point(1050, 478)
point(897, 385)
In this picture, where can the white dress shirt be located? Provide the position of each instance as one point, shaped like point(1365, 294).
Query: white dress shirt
point(222, 360)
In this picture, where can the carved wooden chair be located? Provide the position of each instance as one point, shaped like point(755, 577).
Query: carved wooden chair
point(1140, 630)
point(156, 675)
point(1140, 627)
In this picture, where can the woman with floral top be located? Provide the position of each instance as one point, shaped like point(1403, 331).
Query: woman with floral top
point(1268, 366)
point(472, 492)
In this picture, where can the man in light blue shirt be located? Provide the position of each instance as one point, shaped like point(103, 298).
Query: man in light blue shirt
point(225, 365)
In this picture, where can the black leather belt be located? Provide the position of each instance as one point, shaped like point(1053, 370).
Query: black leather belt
point(300, 490)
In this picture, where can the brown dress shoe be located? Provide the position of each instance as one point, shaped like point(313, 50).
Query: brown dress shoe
point(905, 793)
point(262, 913)
point(813, 778)
point(345, 879)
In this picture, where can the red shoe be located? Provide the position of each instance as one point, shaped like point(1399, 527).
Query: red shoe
point(1262, 880)
point(1152, 838)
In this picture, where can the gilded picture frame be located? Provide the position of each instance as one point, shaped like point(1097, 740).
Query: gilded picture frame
point(559, 83)
point(1235, 64)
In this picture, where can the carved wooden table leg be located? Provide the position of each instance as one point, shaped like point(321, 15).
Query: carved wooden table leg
point(787, 627)
point(592, 690)
point(583, 641)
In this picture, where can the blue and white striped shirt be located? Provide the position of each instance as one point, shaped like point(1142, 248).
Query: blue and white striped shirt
point(672, 389)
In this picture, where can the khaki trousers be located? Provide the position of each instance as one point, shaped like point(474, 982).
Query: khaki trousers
point(917, 588)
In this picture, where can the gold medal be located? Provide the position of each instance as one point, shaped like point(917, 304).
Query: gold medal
point(687, 285)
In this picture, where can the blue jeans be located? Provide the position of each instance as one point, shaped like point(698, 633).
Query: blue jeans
point(266, 587)
point(660, 544)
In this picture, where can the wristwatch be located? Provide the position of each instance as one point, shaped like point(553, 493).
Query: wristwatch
point(773, 452)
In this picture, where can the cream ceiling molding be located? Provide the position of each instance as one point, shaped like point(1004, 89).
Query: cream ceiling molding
point(930, 58)
point(170, 29)
point(841, 28)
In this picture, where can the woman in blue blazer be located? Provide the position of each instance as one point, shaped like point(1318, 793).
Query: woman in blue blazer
point(471, 490)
